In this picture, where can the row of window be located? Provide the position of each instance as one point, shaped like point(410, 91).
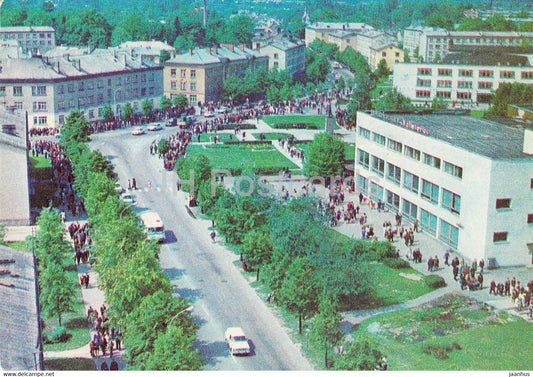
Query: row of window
point(183, 86)
point(411, 152)
point(448, 84)
point(183, 73)
point(470, 73)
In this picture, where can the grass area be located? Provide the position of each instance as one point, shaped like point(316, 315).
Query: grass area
point(75, 321)
point(40, 162)
point(349, 150)
point(383, 86)
point(316, 122)
point(18, 245)
point(476, 336)
point(262, 158)
point(272, 135)
point(41, 169)
point(477, 113)
point(69, 364)
point(209, 137)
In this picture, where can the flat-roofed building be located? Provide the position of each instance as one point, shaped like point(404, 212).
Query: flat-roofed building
point(66, 79)
point(286, 55)
point(32, 39)
point(466, 180)
point(200, 74)
point(14, 185)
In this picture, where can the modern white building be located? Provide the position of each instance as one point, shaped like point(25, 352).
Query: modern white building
point(286, 55)
point(468, 181)
point(457, 84)
point(32, 39)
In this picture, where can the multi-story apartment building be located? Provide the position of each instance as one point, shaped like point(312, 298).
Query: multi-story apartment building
point(435, 44)
point(389, 52)
point(148, 50)
point(32, 39)
point(343, 39)
point(200, 74)
point(455, 83)
point(367, 40)
point(322, 30)
point(286, 55)
point(49, 87)
point(452, 174)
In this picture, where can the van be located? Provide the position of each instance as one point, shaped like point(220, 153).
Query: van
point(154, 228)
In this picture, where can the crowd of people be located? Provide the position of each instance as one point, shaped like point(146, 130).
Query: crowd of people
point(104, 340)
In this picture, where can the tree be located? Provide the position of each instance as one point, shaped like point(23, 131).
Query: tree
point(107, 113)
point(438, 104)
point(361, 354)
point(240, 30)
point(393, 100)
point(57, 291)
point(163, 146)
point(75, 130)
point(318, 69)
point(128, 112)
point(48, 6)
point(526, 27)
point(174, 350)
point(326, 327)
point(341, 84)
point(84, 28)
point(325, 156)
point(148, 108)
point(165, 103)
point(298, 293)
point(383, 69)
point(164, 55)
point(180, 101)
point(257, 249)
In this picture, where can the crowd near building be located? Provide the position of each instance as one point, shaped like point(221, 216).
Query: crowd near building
point(48, 87)
point(467, 181)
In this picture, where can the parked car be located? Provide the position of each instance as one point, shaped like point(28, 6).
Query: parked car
point(236, 341)
point(138, 131)
point(222, 110)
point(209, 114)
point(172, 122)
point(155, 127)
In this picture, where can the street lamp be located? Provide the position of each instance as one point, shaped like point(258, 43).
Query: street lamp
point(173, 318)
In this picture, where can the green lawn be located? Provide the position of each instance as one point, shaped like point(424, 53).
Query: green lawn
point(485, 339)
point(40, 162)
point(289, 121)
point(19, 245)
point(263, 158)
point(40, 168)
point(273, 135)
point(383, 86)
point(209, 137)
point(477, 113)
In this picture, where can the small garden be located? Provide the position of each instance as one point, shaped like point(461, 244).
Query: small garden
point(274, 136)
point(221, 137)
point(311, 122)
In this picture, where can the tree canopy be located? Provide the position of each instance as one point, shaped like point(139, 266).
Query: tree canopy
point(325, 156)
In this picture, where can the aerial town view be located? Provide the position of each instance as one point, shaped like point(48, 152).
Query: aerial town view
point(266, 185)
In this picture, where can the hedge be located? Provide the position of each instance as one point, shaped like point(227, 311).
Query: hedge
point(434, 281)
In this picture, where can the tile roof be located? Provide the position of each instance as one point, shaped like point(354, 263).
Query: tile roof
point(19, 329)
point(212, 56)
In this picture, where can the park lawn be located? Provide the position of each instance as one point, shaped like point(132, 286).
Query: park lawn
point(488, 339)
point(238, 157)
point(222, 137)
point(309, 121)
point(383, 86)
point(40, 162)
point(477, 113)
point(349, 150)
point(75, 321)
point(18, 245)
point(272, 135)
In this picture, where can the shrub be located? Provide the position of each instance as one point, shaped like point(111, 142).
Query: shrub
point(440, 351)
point(57, 335)
point(434, 281)
point(396, 263)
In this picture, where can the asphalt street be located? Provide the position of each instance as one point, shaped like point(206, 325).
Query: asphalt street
point(203, 272)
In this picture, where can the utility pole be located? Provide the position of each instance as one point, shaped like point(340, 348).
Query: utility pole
point(205, 13)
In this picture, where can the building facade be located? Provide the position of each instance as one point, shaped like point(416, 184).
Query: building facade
point(452, 173)
point(32, 39)
point(343, 39)
point(200, 74)
point(322, 30)
point(389, 52)
point(149, 51)
point(456, 84)
point(286, 55)
point(48, 88)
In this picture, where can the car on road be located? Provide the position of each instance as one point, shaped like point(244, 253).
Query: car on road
point(222, 110)
point(172, 122)
point(209, 114)
point(138, 131)
point(155, 127)
point(154, 228)
point(128, 198)
point(236, 341)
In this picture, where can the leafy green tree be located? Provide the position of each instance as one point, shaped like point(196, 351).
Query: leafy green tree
point(326, 327)
point(341, 84)
point(128, 112)
point(318, 69)
point(361, 354)
point(173, 350)
point(325, 156)
point(148, 108)
point(164, 55)
point(180, 101)
point(257, 249)
point(509, 93)
point(107, 113)
point(526, 27)
point(165, 103)
point(298, 293)
point(48, 6)
point(393, 100)
point(382, 69)
point(240, 30)
point(75, 130)
point(163, 146)
point(438, 104)
point(57, 291)
point(50, 243)
point(84, 28)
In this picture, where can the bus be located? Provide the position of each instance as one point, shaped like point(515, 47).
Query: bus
point(154, 227)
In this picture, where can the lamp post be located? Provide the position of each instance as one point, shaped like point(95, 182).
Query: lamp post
point(183, 311)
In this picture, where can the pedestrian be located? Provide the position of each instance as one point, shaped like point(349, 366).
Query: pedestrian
point(480, 280)
point(104, 366)
point(481, 264)
point(114, 365)
point(133, 184)
point(129, 184)
point(446, 257)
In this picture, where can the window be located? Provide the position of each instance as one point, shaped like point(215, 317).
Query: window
point(193, 73)
point(452, 169)
point(431, 161)
point(410, 182)
point(61, 119)
point(424, 71)
point(503, 203)
point(380, 139)
point(464, 84)
point(376, 191)
point(39, 120)
point(192, 99)
point(394, 145)
point(39, 106)
point(173, 72)
point(527, 75)
point(530, 218)
point(441, 94)
point(394, 173)
point(193, 86)
point(484, 85)
point(2, 91)
point(499, 237)
point(183, 86)
point(424, 83)
point(90, 85)
point(445, 72)
point(531, 183)
point(484, 73)
point(392, 200)
point(173, 85)
point(428, 222)
point(18, 105)
point(364, 133)
point(451, 201)
point(276, 56)
point(507, 74)
point(363, 158)
point(444, 84)
point(423, 93)
point(449, 234)
point(81, 86)
point(465, 73)
point(362, 184)
point(409, 210)
point(17, 91)
point(378, 166)
point(464, 95)
point(430, 191)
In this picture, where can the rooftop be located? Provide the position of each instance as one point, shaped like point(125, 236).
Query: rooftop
point(19, 328)
point(477, 135)
point(215, 55)
point(359, 26)
point(25, 29)
point(481, 56)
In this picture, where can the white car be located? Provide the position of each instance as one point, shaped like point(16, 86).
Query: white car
point(209, 114)
point(138, 131)
point(155, 127)
point(236, 341)
point(128, 198)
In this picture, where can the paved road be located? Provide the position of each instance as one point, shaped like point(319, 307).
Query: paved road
point(204, 272)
